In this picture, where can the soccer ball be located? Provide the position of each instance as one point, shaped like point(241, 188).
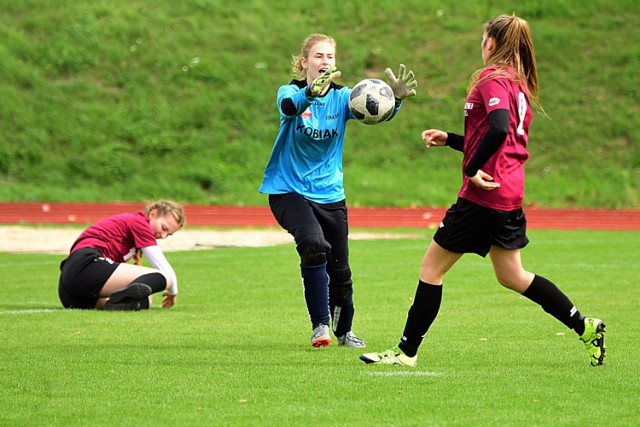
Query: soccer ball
point(371, 101)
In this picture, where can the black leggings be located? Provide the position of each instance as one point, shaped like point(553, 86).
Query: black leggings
point(320, 231)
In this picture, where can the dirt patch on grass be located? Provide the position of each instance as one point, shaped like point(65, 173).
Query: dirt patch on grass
point(20, 239)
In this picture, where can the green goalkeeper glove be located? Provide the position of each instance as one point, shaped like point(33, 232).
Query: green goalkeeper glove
point(403, 86)
point(319, 85)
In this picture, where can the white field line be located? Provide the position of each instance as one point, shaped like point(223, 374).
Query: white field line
point(33, 311)
point(404, 374)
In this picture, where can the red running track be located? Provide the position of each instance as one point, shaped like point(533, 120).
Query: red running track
point(260, 216)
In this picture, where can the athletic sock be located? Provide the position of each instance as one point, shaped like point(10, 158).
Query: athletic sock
point(340, 299)
point(544, 293)
point(342, 317)
point(315, 283)
point(156, 281)
point(422, 313)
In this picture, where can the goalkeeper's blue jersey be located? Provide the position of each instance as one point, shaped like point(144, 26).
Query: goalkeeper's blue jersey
point(307, 155)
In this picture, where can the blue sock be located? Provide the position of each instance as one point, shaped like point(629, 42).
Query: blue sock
point(315, 283)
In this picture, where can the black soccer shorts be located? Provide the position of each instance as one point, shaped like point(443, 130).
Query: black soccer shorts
point(82, 276)
point(470, 228)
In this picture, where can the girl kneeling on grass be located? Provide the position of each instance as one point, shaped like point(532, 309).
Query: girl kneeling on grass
point(96, 273)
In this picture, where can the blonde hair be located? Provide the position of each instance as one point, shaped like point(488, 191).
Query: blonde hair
point(309, 42)
point(514, 49)
point(166, 207)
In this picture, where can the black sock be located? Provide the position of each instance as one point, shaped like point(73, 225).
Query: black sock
point(342, 317)
point(341, 300)
point(553, 301)
point(421, 315)
point(156, 281)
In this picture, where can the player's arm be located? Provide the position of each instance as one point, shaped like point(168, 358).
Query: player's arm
point(455, 141)
point(159, 262)
point(438, 138)
point(292, 101)
point(491, 142)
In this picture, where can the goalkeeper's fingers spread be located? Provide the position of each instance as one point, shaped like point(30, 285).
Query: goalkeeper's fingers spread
point(402, 72)
point(332, 77)
point(391, 78)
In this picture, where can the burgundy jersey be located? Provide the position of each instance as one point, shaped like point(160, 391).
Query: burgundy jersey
point(117, 237)
point(506, 166)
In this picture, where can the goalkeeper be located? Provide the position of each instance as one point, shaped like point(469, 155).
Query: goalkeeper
point(303, 179)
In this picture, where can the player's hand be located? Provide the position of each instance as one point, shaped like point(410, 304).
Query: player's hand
point(435, 137)
point(484, 181)
point(404, 85)
point(320, 84)
point(169, 300)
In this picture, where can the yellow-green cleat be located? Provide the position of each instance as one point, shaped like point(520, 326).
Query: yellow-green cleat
point(393, 356)
point(593, 339)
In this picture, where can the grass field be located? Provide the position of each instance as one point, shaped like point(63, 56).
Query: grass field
point(114, 100)
point(235, 350)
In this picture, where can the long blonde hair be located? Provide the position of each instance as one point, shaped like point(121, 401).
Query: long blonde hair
point(514, 49)
point(309, 42)
point(164, 207)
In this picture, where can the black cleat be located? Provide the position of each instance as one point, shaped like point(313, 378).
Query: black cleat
point(128, 298)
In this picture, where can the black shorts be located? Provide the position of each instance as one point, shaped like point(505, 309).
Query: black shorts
point(470, 228)
point(82, 276)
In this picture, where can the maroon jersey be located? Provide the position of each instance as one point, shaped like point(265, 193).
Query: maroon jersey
point(506, 166)
point(117, 237)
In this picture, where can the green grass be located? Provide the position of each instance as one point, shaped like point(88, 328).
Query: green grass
point(235, 350)
point(129, 101)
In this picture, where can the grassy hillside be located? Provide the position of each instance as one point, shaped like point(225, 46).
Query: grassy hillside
point(134, 100)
